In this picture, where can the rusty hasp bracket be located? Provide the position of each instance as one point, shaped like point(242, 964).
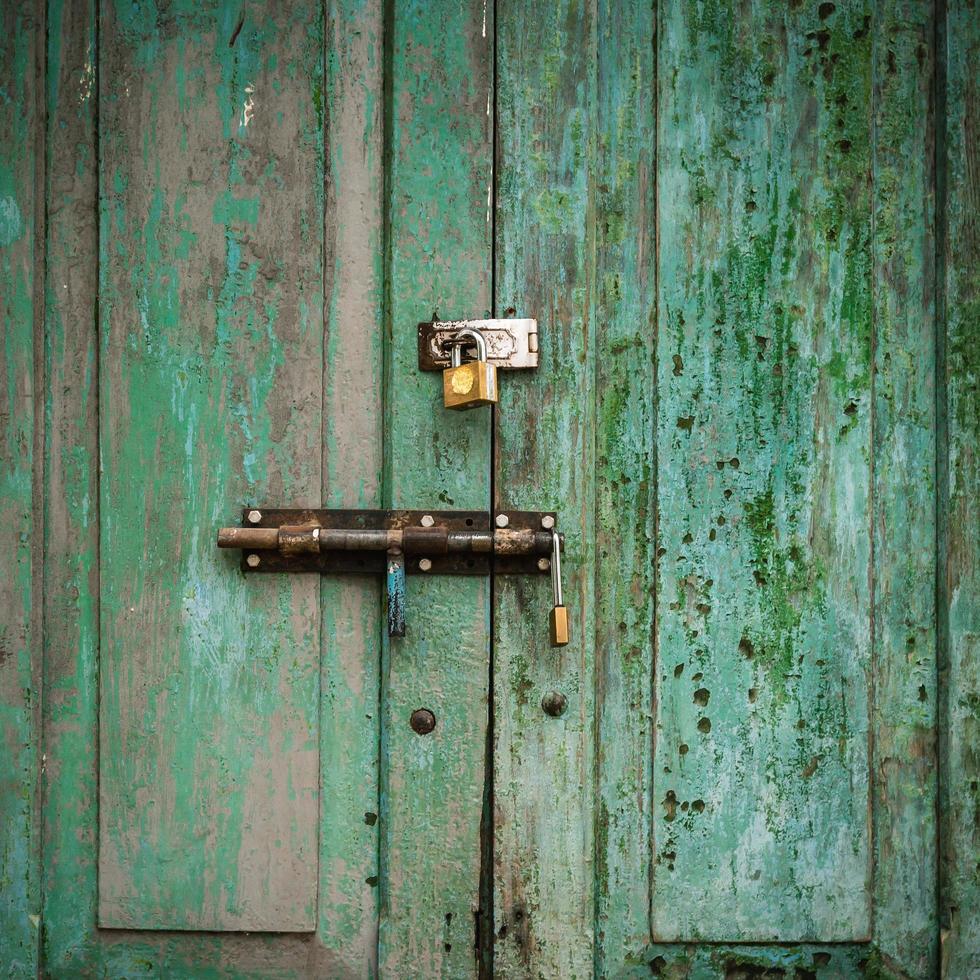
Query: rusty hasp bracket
point(393, 543)
point(512, 344)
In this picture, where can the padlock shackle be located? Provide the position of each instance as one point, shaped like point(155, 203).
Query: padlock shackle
point(456, 345)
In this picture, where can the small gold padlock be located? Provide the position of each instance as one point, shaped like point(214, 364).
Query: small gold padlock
point(558, 620)
point(474, 383)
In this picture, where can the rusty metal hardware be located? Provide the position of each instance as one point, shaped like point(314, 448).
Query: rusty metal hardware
point(393, 543)
point(512, 344)
point(473, 384)
point(559, 614)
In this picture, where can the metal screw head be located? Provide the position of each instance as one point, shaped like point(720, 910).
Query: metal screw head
point(422, 721)
point(547, 522)
point(544, 564)
point(254, 516)
point(554, 704)
point(427, 520)
point(253, 561)
point(425, 564)
point(502, 520)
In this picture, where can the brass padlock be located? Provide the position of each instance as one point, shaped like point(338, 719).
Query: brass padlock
point(558, 621)
point(474, 383)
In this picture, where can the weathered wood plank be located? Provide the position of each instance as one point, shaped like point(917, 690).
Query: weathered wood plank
point(761, 795)
point(625, 475)
point(71, 491)
point(545, 459)
point(741, 961)
point(903, 716)
point(21, 109)
point(440, 148)
point(210, 396)
point(960, 487)
point(353, 370)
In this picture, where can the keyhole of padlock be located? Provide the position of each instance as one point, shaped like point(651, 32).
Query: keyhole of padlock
point(474, 383)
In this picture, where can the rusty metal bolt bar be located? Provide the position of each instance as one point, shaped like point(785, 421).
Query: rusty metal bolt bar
point(313, 539)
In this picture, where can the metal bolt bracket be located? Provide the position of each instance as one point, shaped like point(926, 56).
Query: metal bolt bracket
point(512, 343)
point(394, 543)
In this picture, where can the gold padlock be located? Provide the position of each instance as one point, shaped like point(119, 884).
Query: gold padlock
point(474, 383)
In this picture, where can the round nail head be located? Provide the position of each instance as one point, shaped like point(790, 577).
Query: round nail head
point(502, 520)
point(254, 516)
point(544, 564)
point(547, 522)
point(422, 721)
point(554, 704)
point(425, 564)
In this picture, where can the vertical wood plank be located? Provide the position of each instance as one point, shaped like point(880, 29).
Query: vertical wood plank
point(545, 459)
point(761, 776)
point(904, 778)
point(960, 487)
point(21, 112)
point(439, 241)
point(625, 475)
point(210, 396)
point(71, 519)
point(353, 369)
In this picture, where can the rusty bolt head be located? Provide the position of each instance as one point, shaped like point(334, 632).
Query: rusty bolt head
point(502, 520)
point(425, 564)
point(427, 520)
point(547, 522)
point(253, 561)
point(554, 704)
point(544, 564)
point(422, 721)
point(254, 516)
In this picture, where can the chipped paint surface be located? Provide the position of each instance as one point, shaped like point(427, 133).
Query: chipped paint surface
point(960, 491)
point(736, 416)
point(20, 527)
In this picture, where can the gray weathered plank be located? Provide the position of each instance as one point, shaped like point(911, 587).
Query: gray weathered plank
point(760, 792)
point(959, 181)
point(441, 65)
point(210, 392)
point(545, 459)
point(21, 110)
point(904, 781)
point(350, 718)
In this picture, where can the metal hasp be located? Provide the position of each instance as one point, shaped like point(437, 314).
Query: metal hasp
point(512, 344)
point(394, 543)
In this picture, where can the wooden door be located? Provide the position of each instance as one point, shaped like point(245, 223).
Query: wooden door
point(746, 232)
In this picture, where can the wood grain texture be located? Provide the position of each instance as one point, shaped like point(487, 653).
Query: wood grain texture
point(71, 490)
point(764, 437)
point(350, 720)
point(21, 109)
point(625, 475)
point(544, 459)
point(904, 767)
point(960, 488)
point(439, 244)
point(211, 157)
